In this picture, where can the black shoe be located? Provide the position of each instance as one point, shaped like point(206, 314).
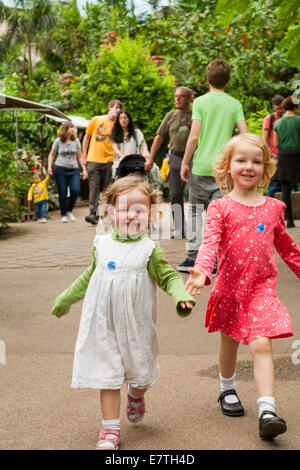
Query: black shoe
point(231, 409)
point(92, 219)
point(290, 223)
point(186, 265)
point(272, 426)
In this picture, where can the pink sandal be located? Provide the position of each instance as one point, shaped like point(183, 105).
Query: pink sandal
point(110, 437)
point(135, 409)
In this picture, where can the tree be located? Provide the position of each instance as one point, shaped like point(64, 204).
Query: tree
point(288, 15)
point(24, 25)
point(124, 70)
point(188, 41)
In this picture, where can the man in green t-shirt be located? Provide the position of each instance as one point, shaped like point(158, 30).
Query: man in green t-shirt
point(214, 117)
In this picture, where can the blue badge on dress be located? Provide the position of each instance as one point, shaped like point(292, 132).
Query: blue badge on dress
point(111, 265)
point(260, 228)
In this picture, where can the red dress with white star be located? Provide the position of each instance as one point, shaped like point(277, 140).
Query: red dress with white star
point(243, 303)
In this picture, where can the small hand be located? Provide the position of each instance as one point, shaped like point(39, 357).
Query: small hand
point(185, 305)
point(195, 282)
point(84, 174)
point(148, 164)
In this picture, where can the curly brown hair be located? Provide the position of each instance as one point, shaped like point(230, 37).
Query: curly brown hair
point(221, 167)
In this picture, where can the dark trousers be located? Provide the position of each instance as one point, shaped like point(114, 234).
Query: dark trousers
point(286, 188)
point(176, 186)
point(67, 178)
point(100, 176)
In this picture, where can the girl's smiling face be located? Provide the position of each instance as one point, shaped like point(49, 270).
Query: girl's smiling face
point(132, 213)
point(246, 165)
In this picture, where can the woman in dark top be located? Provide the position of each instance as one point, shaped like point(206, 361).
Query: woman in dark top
point(287, 139)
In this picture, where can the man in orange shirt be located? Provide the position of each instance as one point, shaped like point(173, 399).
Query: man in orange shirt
point(99, 155)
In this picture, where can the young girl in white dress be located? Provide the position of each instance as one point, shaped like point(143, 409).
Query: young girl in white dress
point(117, 341)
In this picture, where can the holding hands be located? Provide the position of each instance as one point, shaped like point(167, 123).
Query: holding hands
point(195, 282)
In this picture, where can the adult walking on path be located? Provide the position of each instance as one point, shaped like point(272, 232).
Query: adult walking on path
point(214, 117)
point(175, 127)
point(287, 138)
point(268, 136)
point(99, 155)
point(67, 147)
point(127, 140)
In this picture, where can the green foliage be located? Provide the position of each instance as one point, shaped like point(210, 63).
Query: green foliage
point(255, 121)
point(68, 41)
point(126, 72)
point(188, 42)
point(14, 183)
point(24, 25)
point(288, 20)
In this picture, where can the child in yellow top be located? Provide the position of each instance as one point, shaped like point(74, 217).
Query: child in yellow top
point(165, 169)
point(39, 194)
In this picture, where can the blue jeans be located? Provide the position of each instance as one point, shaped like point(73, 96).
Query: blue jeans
point(41, 209)
point(67, 178)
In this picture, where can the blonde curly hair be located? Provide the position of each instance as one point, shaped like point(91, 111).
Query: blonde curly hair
point(121, 186)
point(222, 166)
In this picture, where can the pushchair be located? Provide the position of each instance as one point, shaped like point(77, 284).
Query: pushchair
point(133, 163)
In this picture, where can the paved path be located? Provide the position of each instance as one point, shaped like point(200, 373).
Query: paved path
point(38, 410)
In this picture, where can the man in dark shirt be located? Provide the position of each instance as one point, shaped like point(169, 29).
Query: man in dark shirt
point(175, 127)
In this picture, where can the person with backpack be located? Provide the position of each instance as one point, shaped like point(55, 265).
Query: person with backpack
point(268, 136)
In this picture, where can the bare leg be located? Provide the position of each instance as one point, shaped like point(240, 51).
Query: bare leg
point(110, 404)
point(227, 355)
point(261, 350)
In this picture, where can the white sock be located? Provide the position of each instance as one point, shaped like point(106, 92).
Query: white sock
point(228, 384)
point(110, 425)
point(266, 404)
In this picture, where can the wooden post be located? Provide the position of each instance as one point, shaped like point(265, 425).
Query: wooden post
point(17, 134)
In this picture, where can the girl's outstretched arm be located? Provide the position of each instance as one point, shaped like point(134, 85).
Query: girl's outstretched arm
point(75, 292)
point(286, 247)
point(170, 281)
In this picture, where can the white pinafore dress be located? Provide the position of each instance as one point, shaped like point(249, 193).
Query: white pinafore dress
point(117, 339)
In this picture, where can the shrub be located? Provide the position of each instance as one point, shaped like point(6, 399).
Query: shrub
point(124, 70)
point(14, 183)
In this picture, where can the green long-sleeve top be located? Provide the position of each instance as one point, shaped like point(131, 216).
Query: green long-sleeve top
point(159, 270)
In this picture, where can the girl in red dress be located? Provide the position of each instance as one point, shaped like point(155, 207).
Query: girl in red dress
point(242, 230)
